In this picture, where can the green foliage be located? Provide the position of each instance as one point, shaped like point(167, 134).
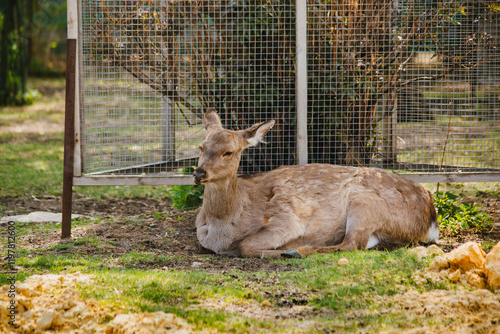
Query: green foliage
point(186, 197)
point(26, 98)
point(454, 217)
point(13, 54)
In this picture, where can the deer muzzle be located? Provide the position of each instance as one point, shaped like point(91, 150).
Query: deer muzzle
point(199, 175)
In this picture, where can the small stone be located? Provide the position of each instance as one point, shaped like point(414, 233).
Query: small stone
point(58, 320)
point(455, 275)
point(266, 303)
point(189, 248)
point(37, 217)
point(45, 321)
point(434, 250)
point(439, 262)
point(23, 289)
point(343, 261)
point(419, 251)
point(196, 264)
point(24, 302)
point(474, 280)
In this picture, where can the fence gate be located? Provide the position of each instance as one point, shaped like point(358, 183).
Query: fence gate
point(412, 86)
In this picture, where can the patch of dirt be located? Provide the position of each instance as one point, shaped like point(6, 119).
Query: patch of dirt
point(85, 206)
point(491, 205)
point(131, 225)
point(454, 311)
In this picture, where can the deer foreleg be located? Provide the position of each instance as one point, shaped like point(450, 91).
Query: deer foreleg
point(271, 237)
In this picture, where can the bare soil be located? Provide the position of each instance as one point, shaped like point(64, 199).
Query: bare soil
point(131, 225)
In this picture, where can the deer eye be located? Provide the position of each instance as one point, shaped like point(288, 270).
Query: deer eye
point(227, 154)
point(201, 149)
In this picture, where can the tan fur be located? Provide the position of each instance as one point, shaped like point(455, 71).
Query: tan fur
point(306, 207)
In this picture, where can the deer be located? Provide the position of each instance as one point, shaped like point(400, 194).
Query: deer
point(298, 210)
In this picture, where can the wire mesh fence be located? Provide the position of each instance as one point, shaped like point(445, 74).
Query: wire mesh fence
point(407, 85)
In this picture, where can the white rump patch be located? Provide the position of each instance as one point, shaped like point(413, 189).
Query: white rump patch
point(372, 242)
point(432, 234)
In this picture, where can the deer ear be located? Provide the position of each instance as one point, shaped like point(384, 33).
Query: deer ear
point(211, 121)
point(256, 133)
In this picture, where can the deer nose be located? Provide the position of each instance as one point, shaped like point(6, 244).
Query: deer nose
point(199, 174)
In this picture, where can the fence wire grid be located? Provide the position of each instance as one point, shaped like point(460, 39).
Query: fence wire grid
point(406, 85)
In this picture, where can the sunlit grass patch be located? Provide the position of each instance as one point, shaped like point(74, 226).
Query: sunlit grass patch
point(31, 168)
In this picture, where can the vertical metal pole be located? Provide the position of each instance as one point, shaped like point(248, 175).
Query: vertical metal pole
point(389, 139)
point(301, 79)
point(168, 125)
point(69, 125)
point(78, 163)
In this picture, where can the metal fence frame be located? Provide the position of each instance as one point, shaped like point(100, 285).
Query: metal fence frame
point(74, 27)
point(73, 138)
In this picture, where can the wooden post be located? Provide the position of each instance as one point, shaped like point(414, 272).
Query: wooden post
point(301, 79)
point(69, 120)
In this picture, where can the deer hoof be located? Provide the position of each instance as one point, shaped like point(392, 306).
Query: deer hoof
point(291, 254)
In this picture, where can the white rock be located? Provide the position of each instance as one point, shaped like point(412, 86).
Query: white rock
point(37, 217)
point(196, 264)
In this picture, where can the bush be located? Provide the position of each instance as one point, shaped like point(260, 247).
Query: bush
point(186, 197)
point(454, 217)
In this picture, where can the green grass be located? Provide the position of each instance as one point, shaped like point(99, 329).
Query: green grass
point(36, 168)
point(32, 163)
point(31, 167)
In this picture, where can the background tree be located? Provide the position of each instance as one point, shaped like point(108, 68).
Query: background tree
point(13, 51)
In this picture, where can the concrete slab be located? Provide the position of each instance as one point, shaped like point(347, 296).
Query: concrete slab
point(37, 217)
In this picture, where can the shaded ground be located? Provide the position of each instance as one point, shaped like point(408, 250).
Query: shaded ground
point(130, 225)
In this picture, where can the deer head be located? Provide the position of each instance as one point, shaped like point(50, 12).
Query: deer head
point(220, 152)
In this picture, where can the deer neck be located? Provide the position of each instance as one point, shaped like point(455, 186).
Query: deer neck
point(221, 198)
